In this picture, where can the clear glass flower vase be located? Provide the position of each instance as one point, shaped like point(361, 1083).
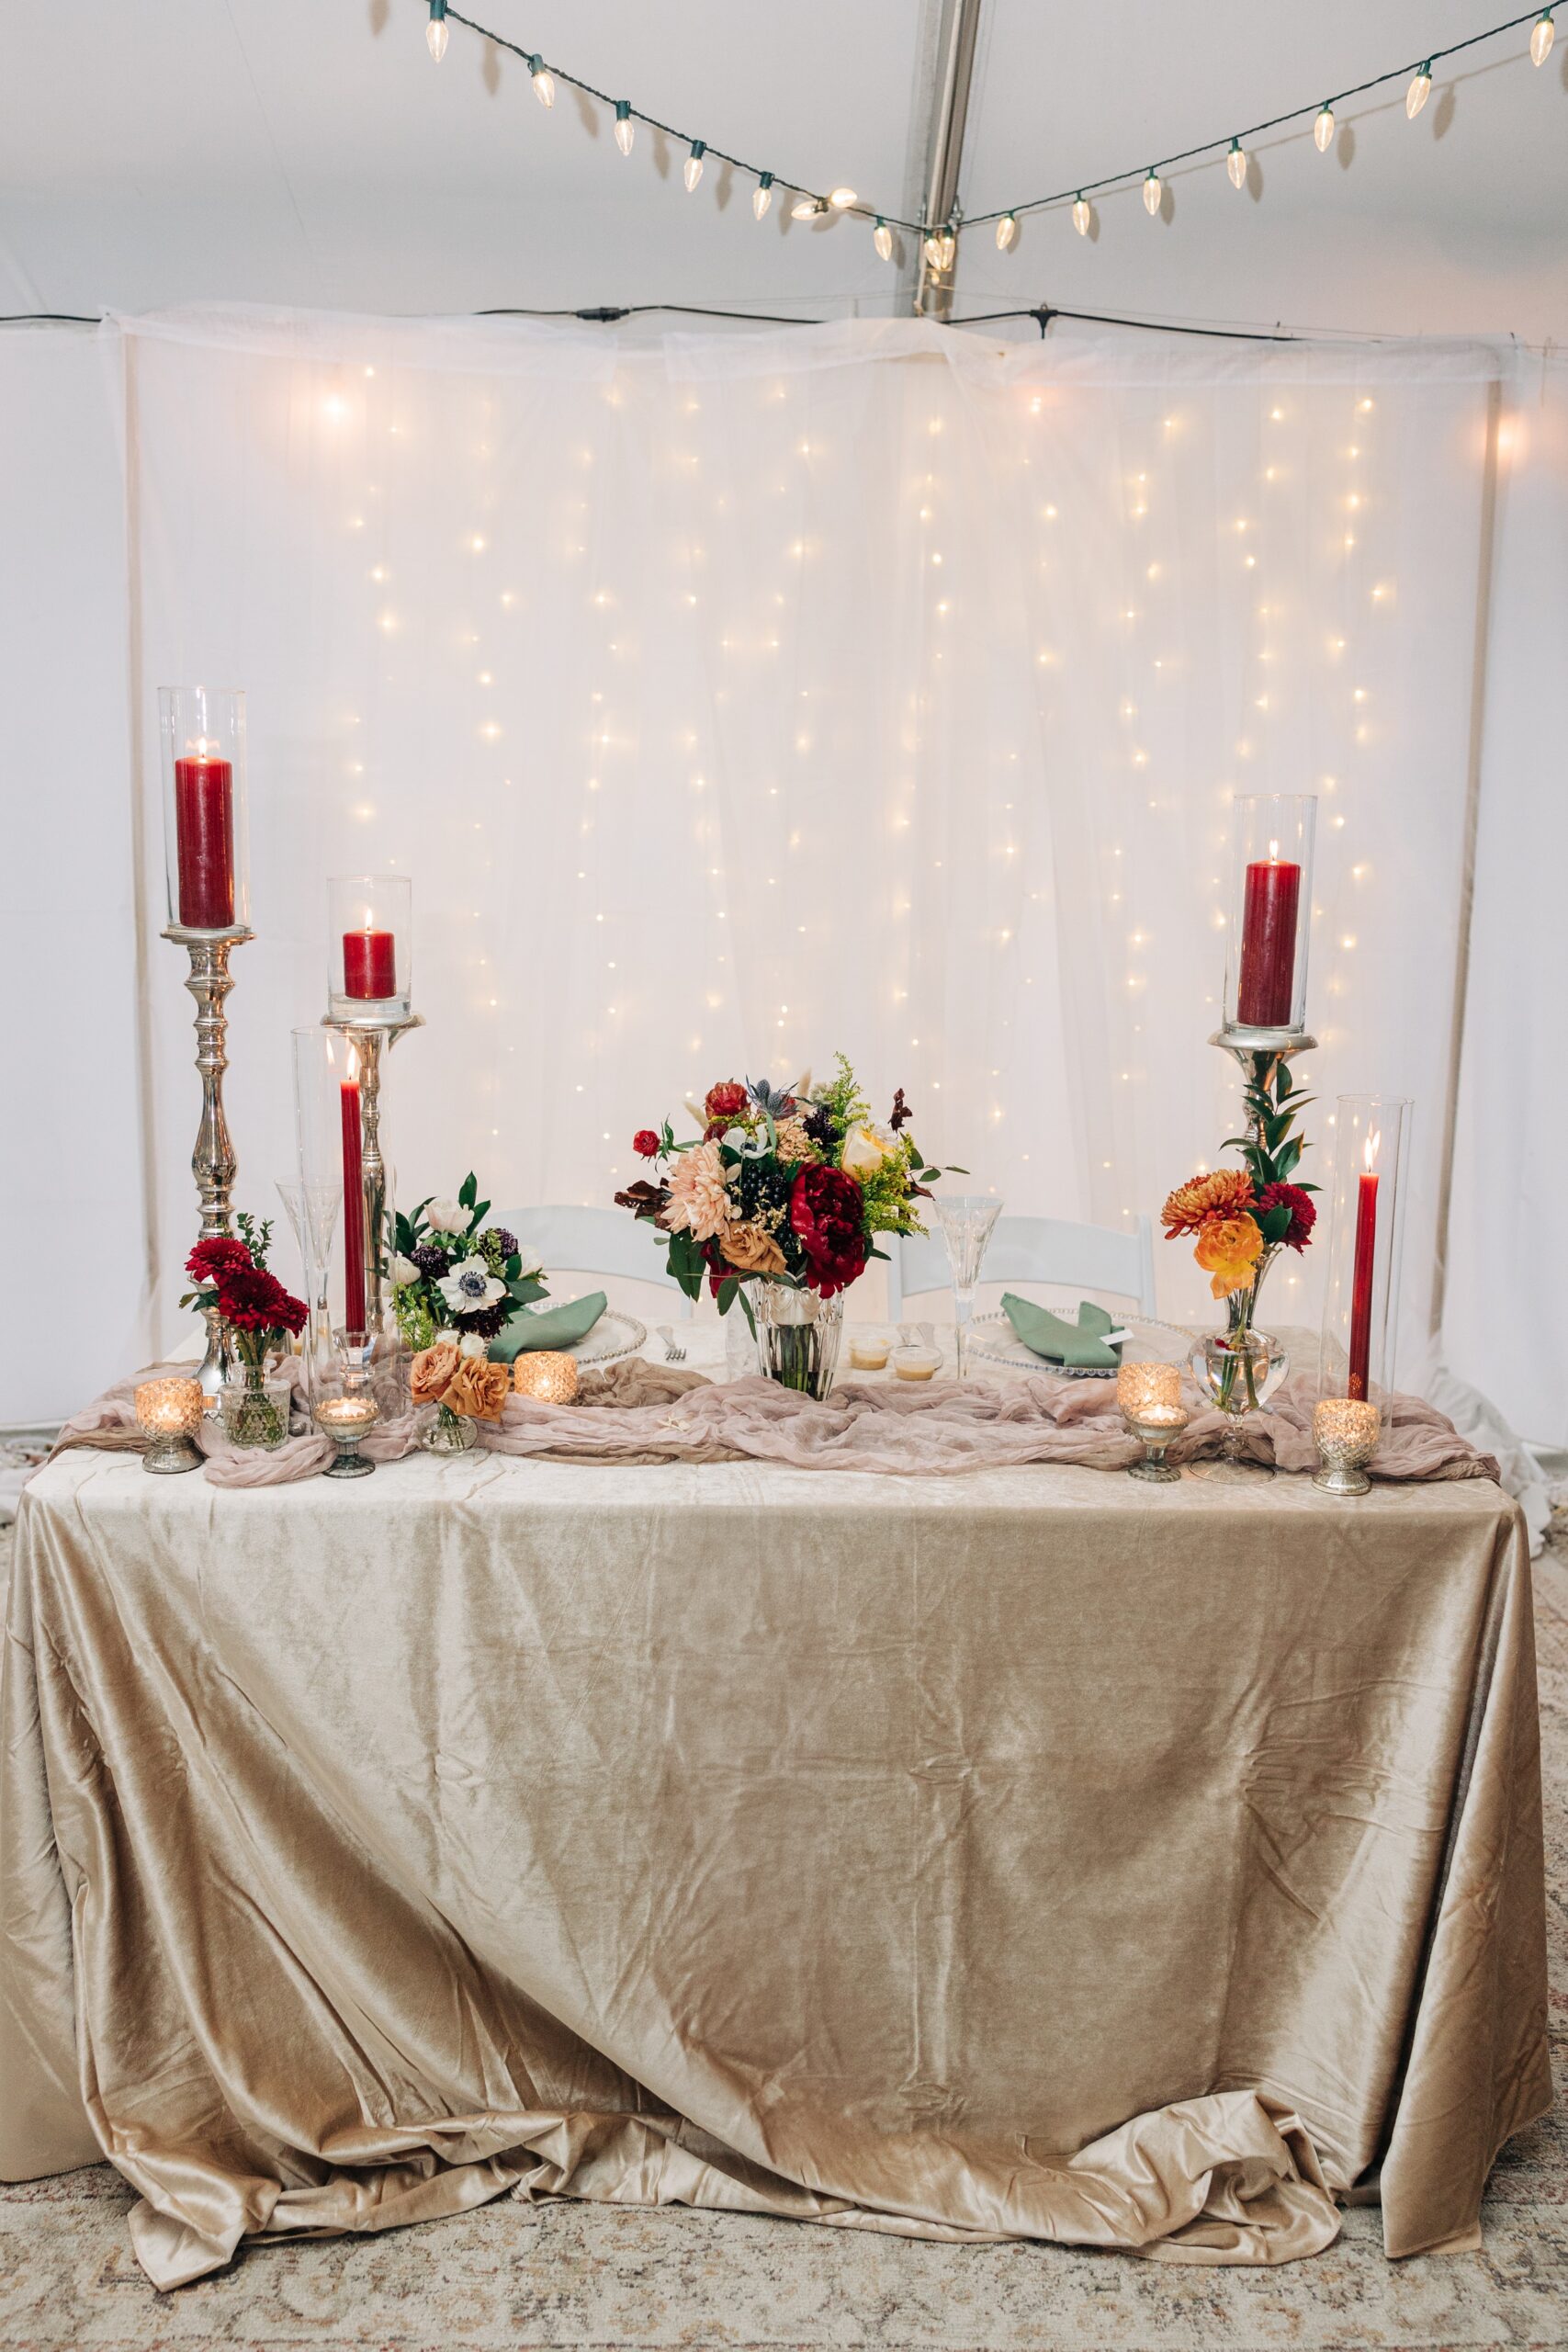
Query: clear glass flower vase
point(1237, 1370)
point(449, 1432)
point(256, 1407)
point(798, 1332)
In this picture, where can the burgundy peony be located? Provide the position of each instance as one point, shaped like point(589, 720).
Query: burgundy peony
point(252, 1300)
point(826, 1212)
point(213, 1257)
point(645, 1143)
point(726, 1101)
point(1302, 1208)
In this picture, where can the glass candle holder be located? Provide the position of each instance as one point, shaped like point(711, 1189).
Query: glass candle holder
point(546, 1375)
point(346, 1419)
point(169, 1411)
point(205, 839)
point(369, 948)
point(1149, 1396)
point(1356, 1353)
point(1270, 916)
point(1346, 1431)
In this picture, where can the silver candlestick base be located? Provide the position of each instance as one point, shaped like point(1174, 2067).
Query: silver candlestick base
point(368, 1037)
point(213, 1163)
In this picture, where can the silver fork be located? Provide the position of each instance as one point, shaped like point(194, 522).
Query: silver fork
point(673, 1354)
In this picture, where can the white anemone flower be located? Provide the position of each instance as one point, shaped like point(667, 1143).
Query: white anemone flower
point(446, 1217)
point(469, 1287)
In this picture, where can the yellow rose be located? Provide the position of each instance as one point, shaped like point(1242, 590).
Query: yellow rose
point(1228, 1248)
point(865, 1149)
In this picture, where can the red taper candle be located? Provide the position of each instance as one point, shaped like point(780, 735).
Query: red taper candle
point(1266, 989)
point(369, 963)
point(204, 833)
point(1361, 1277)
point(353, 1207)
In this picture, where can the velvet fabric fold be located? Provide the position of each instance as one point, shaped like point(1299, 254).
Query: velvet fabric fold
point(1028, 1854)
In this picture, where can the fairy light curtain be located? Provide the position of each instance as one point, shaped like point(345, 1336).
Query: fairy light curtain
point(732, 699)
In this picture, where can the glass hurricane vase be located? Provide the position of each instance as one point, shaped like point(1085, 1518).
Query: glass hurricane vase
point(798, 1333)
point(449, 1432)
point(1237, 1370)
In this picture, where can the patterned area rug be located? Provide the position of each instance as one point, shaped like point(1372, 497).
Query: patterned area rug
point(511, 2275)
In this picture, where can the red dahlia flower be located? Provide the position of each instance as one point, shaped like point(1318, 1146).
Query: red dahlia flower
point(645, 1143)
point(253, 1300)
point(826, 1212)
point(214, 1257)
point(1302, 1208)
point(726, 1101)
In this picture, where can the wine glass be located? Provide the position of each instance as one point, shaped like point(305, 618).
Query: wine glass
point(966, 1219)
point(312, 1212)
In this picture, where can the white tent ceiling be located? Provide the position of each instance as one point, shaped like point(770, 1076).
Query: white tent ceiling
point(307, 152)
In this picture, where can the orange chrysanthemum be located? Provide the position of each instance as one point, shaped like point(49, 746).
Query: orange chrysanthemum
point(1225, 1193)
point(1228, 1248)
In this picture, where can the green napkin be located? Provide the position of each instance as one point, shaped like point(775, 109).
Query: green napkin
point(1081, 1345)
point(547, 1326)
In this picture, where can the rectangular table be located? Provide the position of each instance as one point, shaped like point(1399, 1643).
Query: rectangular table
point(1033, 1853)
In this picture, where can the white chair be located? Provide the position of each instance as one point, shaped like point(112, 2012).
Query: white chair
point(595, 1241)
point(1032, 1249)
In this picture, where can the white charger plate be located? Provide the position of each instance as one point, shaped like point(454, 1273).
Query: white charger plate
point(994, 1340)
point(613, 1338)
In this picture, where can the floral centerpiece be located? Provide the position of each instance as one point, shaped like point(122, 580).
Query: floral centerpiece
point(777, 1202)
point(1239, 1220)
point(454, 1275)
point(260, 1318)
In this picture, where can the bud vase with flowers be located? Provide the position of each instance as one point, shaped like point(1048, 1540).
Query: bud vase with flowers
point(1239, 1219)
point(260, 1319)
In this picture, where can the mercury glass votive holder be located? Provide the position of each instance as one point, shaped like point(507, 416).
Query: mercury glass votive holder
point(546, 1375)
point(1149, 1396)
point(169, 1412)
point(346, 1419)
point(1346, 1429)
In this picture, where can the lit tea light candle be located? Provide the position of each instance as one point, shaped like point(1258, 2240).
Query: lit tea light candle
point(169, 1412)
point(346, 1419)
point(549, 1377)
point(1346, 1429)
point(1149, 1396)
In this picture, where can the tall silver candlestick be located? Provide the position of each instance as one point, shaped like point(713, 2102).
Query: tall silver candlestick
point(213, 1162)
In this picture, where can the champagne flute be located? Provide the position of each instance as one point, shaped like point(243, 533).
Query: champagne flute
point(966, 1219)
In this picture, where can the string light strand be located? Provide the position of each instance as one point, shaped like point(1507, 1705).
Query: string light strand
point(816, 205)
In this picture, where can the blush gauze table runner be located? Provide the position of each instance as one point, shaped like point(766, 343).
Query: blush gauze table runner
point(1029, 1853)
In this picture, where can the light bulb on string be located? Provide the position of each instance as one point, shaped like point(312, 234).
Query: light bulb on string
point(762, 195)
point(544, 80)
point(626, 129)
point(1420, 90)
point(881, 238)
point(841, 199)
point(933, 247)
point(1153, 188)
point(1007, 232)
point(1543, 32)
point(809, 207)
point(1236, 163)
point(1083, 213)
point(947, 248)
point(435, 31)
point(694, 169)
point(1323, 128)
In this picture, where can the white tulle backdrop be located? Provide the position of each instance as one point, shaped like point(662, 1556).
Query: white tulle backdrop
point(730, 700)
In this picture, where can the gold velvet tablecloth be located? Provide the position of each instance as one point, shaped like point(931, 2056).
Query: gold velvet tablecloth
point(1034, 1853)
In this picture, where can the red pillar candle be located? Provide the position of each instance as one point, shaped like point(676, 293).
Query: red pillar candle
point(1266, 991)
point(1361, 1276)
point(353, 1207)
point(204, 833)
point(369, 963)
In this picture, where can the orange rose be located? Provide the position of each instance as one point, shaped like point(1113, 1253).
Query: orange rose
point(478, 1389)
point(1228, 1248)
point(752, 1249)
point(431, 1370)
